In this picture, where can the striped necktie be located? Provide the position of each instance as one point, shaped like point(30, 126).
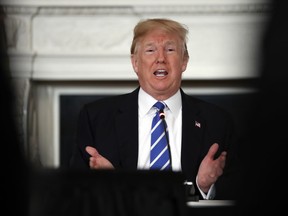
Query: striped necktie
point(160, 151)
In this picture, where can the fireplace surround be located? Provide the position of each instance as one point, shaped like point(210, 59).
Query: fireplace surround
point(69, 52)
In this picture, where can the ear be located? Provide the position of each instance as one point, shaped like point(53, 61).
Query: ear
point(185, 63)
point(134, 62)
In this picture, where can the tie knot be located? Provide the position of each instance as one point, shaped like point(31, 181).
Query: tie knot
point(159, 105)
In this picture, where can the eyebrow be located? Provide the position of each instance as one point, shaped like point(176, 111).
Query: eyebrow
point(166, 43)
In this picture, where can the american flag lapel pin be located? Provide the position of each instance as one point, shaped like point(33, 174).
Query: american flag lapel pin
point(197, 124)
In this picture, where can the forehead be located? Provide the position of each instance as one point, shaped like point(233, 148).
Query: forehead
point(160, 36)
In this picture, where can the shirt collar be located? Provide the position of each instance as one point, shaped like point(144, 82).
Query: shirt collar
point(146, 101)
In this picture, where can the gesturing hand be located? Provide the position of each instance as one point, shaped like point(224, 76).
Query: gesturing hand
point(210, 169)
point(96, 160)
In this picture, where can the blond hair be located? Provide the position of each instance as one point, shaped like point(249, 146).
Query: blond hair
point(145, 26)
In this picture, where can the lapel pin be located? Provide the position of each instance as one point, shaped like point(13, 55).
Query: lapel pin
point(197, 124)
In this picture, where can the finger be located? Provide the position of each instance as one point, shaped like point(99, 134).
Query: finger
point(92, 151)
point(223, 155)
point(222, 159)
point(212, 150)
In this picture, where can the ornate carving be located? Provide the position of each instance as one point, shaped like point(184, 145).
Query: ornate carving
point(20, 10)
point(17, 30)
point(204, 9)
point(162, 9)
point(191, 8)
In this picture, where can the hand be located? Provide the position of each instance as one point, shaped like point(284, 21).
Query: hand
point(210, 169)
point(97, 161)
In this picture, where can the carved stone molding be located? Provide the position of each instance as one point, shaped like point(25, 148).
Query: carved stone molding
point(91, 34)
point(132, 9)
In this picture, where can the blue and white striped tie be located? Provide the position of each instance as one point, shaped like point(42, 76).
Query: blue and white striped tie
point(160, 152)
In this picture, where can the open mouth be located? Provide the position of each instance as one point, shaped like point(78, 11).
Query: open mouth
point(160, 73)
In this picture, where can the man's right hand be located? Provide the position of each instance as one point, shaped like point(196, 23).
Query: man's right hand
point(96, 160)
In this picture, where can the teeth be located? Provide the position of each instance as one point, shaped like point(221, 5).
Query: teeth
point(160, 73)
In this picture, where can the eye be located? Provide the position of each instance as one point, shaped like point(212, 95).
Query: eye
point(170, 49)
point(150, 50)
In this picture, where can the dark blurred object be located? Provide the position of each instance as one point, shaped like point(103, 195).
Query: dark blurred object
point(265, 156)
point(13, 165)
point(190, 191)
point(107, 192)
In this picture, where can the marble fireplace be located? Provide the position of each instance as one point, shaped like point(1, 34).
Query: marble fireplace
point(65, 53)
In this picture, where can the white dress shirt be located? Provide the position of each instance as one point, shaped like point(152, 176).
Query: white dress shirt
point(173, 117)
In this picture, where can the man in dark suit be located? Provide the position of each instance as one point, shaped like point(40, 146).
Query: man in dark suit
point(114, 132)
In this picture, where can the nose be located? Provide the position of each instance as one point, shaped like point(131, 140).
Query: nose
point(160, 57)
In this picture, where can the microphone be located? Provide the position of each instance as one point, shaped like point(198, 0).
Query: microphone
point(190, 191)
point(162, 116)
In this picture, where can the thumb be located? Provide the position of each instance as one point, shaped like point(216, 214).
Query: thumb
point(92, 151)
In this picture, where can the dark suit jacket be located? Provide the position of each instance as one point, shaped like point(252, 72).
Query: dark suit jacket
point(111, 125)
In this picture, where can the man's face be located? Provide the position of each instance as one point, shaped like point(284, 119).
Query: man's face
point(159, 62)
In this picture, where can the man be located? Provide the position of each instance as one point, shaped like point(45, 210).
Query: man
point(114, 132)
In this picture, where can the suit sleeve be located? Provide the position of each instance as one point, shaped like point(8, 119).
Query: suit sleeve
point(80, 158)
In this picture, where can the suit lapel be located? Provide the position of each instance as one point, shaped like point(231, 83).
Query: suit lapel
point(127, 130)
point(192, 134)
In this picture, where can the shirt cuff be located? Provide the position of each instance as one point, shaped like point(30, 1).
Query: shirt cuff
point(211, 192)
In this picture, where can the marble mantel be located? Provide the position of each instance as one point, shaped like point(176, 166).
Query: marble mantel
point(80, 40)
